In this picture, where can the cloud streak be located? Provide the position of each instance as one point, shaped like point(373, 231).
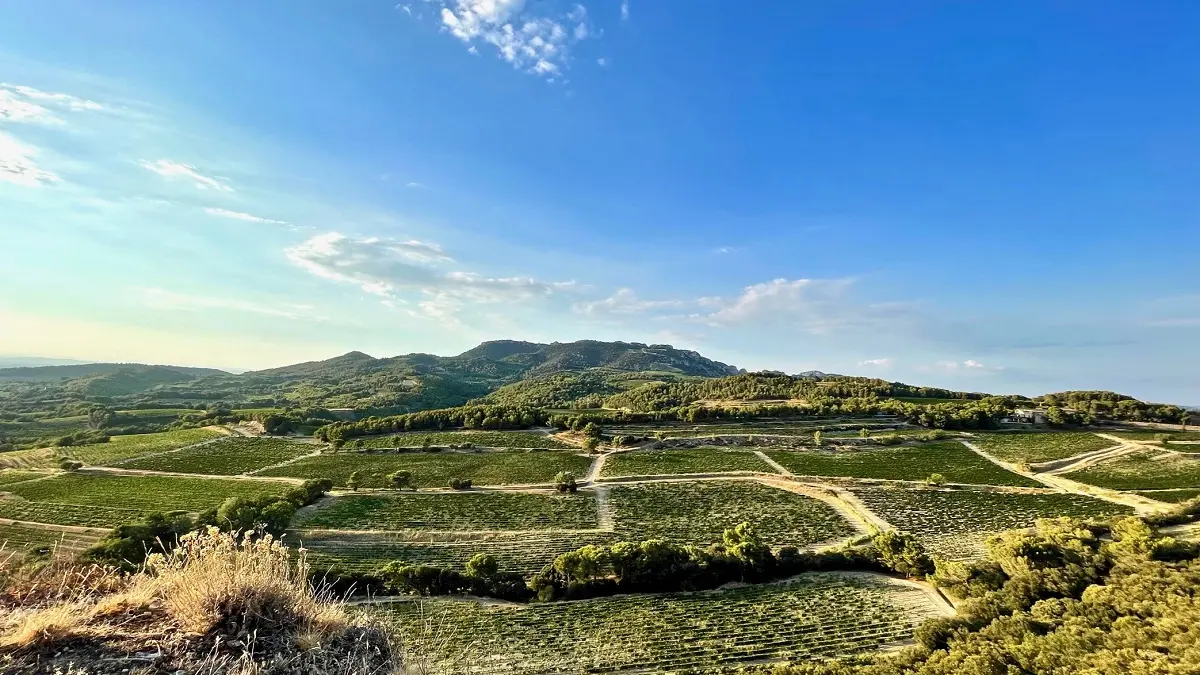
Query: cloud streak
point(17, 165)
point(246, 217)
point(162, 299)
point(389, 267)
point(170, 169)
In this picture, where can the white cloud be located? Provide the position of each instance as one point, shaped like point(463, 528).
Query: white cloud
point(602, 61)
point(238, 215)
point(722, 250)
point(386, 267)
point(17, 165)
point(968, 366)
point(625, 301)
point(19, 103)
point(534, 43)
point(416, 186)
point(161, 299)
point(878, 363)
point(170, 169)
point(624, 10)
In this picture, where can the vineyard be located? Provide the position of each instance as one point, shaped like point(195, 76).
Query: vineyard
point(955, 523)
point(814, 616)
point(23, 540)
point(1144, 471)
point(141, 493)
point(1172, 496)
point(479, 439)
point(700, 460)
point(1040, 447)
point(435, 469)
point(67, 514)
point(911, 463)
point(698, 512)
point(469, 511)
point(124, 447)
point(524, 552)
point(226, 457)
point(11, 476)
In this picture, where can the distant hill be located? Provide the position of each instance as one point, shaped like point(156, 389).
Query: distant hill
point(35, 362)
point(59, 372)
point(544, 359)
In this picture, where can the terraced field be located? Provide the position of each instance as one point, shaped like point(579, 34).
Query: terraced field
point(812, 616)
point(123, 447)
point(699, 512)
point(435, 469)
point(911, 462)
point(1143, 471)
point(524, 552)
point(67, 514)
point(23, 540)
point(139, 493)
point(17, 475)
point(955, 523)
point(226, 457)
point(468, 511)
point(1171, 496)
point(479, 439)
point(1156, 435)
point(1039, 447)
point(700, 460)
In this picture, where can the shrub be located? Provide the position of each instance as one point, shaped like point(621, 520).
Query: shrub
point(565, 482)
point(460, 483)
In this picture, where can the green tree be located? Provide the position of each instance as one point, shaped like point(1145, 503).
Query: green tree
point(936, 479)
point(354, 481)
point(401, 480)
point(100, 417)
point(817, 438)
point(591, 444)
point(864, 433)
point(483, 566)
point(564, 481)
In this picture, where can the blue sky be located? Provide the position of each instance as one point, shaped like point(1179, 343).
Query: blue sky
point(988, 196)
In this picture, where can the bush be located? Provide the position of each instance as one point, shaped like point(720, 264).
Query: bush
point(460, 483)
point(565, 482)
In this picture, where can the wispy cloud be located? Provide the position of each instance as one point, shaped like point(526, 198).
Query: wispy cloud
point(238, 215)
point(162, 299)
point(625, 301)
point(386, 267)
point(19, 103)
point(171, 169)
point(968, 366)
point(878, 363)
point(413, 185)
point(17, 164)
point(624, 10)
point(531, 38)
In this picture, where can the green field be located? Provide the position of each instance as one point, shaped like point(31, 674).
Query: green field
point(700, 460)
point(487, 511)
point(1171, 496)
point(481, 439)
point(124, 447)
point(1039, 447)
point(435, 469)
point(812, 616)
point(68, 514)
point(524, 552)
point(25, 540)
point(913, 463)
point(226, 457)
point(142, 493)
point(10, 476)
point(1143, 471)
point(700, 512)
point(955, 523)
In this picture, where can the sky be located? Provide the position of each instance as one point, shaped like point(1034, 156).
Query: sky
point(997, 197)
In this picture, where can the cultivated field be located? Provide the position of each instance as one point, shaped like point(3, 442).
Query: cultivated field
point(1143, 471)
point(469, 511)
point(435, 469)
point(25, 540)
point(911, 463)
point(226, 457)
point(955, 523)
point(1039, 447)
point(69, 498)
point(479, 439)
point(700, 460)
point(11, 476)
point(1171, 496)
point(123, 447)
point(699, 512)
point(816, 615)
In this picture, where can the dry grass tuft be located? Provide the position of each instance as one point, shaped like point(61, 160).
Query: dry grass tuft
point(218, 603)
point(213, 580)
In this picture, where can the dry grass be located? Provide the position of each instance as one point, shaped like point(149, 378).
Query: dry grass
point(217, 604)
